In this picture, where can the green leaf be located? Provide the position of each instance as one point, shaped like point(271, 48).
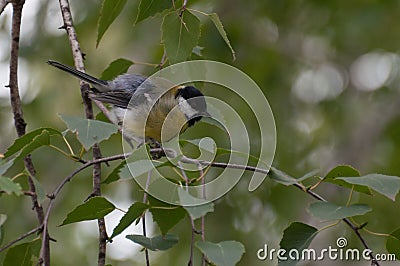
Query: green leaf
point(199, 211)
point(209, 121)
point(94, 208)
point(138, 163)
point(194, 206)
point(330, 211)
point(297, 236)
point(1, 234)
point(9, 186)
point(217, 119)
point(226, 253)
point(40, 140)
point(27, 139)
point(3, 219)
point(342, 170)
point(155, 243)
point(114, 175)
point(138, 168)
point(25, 254)
point(207, 148)
point(345, 171)
point(165, 215)
point(110, 9)
point(150, 8)
point(89, 131)
point(281, 177)
point(101, 117)
point(386, 185)
point(393, 243)
point(180, 35)
point(40, 193)
point(117, 67)
point(203, 146)
point(30, 142)
point(4, 166)
point(135, 211)
point(218, 24)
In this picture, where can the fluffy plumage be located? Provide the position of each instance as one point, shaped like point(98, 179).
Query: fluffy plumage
point(144, 109)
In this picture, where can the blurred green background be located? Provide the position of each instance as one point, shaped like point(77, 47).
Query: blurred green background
point(330, 70)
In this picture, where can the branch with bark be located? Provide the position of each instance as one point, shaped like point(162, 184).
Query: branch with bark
point(19, 122)
point(87, 103)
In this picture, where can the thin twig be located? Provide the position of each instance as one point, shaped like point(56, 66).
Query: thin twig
point(184, 175)
point(183, 8)
point(163, 60)
point(193, 233)
point(19, 122)
point(78, 60)
point(304, 189)
point(106, 112)
point(103, 237)
point(203, 230)
point(146, 251)
point(67, 179)
point(346, 220)
point(190, 263)
point(26, 193)
point(27, 234)
point(215, 164)
point(3, 4)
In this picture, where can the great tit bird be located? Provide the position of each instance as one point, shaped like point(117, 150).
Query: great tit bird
point(146, 112)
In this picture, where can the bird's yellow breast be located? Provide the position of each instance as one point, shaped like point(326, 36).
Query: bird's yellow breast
point(165, 120)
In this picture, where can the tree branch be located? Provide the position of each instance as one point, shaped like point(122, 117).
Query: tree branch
point(67, 179)
point(19, 122)
point(9, 244)
point(214, 164)
point(3, 4)
point(78, 62)
point(146, 251)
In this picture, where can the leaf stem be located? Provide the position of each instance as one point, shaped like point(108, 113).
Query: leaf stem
point(121, 210)
point(354, 227)
point(329, 226)
point(198, 11)
point(62, 152)
point(350, 196)
point(316, 184)
point(375, 233)
point(18, 175)
point(71, 151)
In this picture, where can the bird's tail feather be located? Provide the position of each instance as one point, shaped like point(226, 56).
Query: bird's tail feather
point(79, 74)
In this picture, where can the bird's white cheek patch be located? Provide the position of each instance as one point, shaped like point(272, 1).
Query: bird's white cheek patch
point(186, 108)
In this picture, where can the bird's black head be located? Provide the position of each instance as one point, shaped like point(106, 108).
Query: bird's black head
point(197, 107)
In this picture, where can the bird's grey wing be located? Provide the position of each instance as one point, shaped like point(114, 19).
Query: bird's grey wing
point(127, 82)
point(122, 89)
point(117, 98)
point(133, 90)
point(151, 90)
